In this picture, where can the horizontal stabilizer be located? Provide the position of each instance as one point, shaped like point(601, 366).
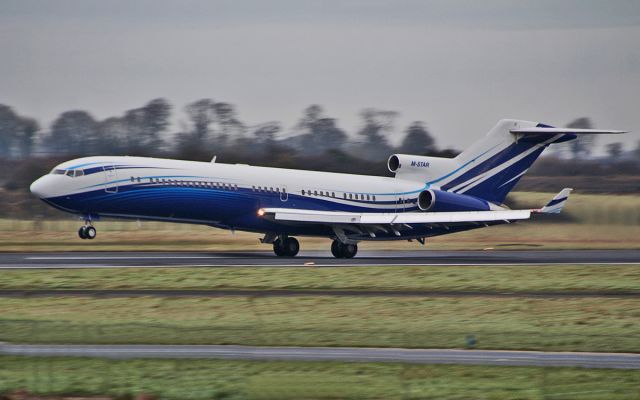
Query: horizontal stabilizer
point(556, 204)
point(546, 131)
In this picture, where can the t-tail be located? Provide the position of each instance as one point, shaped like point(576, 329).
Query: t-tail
point(491, 167)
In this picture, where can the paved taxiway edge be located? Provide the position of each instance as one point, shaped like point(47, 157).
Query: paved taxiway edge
point(342, 354)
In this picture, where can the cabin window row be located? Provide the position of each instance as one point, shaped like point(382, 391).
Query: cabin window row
point(268, 189)
point(198, 184)
point(346, 196)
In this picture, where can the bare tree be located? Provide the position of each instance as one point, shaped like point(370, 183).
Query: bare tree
point(377, 125)
point(202, 114)
point(614, 150)
point(9, 125)
point(418, 140)
point(26, 135)
point(73, 132)
point(583, 145)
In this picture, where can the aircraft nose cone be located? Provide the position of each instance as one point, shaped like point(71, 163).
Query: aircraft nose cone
point(38, 187)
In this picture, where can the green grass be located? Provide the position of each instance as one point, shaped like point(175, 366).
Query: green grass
point(579, 324)
point(574, 278)
point(606, 209)
point(209, 379)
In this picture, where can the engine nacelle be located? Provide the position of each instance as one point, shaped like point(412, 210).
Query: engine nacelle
point(439, 200)
point(420, 168)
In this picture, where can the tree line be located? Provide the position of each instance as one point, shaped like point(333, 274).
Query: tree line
point(208, 127)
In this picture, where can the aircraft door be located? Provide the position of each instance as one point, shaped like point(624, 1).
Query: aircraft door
point(110, 176)
point(284, 195)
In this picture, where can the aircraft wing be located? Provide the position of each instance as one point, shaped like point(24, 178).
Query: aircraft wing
point(337, 217)
point(370, 223)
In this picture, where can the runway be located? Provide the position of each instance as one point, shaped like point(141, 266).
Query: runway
point(317, 258)
point(342, 354)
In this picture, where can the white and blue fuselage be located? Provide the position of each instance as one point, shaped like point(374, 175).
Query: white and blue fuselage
point(221, 195)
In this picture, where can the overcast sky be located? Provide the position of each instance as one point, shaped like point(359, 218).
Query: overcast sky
point(457, 65)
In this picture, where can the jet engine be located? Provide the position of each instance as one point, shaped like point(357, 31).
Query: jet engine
point(439, 200)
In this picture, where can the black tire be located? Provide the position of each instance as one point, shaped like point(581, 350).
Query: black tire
point(279, 248)
point(292, 247)
point(349, 250)
point(90, 232)
point(82, 232)
point(336, 249)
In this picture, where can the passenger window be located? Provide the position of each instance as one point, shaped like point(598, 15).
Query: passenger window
point(303, 192)
point(315, 192)
point(350, 196)
point(132, 179)
point(138, 179)
point(344, 195)
point(368, 198)
point(271, 189)
point(374, 197)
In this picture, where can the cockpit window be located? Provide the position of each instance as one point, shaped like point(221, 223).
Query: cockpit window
point(68, 172)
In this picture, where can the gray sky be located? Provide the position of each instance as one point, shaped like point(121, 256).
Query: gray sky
point(457, 65)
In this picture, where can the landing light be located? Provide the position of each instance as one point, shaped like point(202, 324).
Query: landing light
point(261, 212)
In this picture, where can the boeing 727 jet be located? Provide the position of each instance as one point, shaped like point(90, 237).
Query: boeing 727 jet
point(428, 196)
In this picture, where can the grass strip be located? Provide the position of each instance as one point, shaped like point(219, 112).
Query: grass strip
point(563, 278)
point(213, 379)
point(585, 324)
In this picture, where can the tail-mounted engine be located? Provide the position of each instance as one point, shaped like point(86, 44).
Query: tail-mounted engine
point(439, 200)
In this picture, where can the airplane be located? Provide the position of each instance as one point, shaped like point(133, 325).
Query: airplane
point(429, 196)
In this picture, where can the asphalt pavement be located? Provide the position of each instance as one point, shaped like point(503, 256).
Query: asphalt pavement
point(342, 354)
point(316, 258)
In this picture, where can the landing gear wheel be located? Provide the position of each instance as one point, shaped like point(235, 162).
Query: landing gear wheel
point(278, 248)
point(82, 232)
point(336, 249)
point(349, 250)
point(287, 248)
point(341, 250)
point(90, 232)
point(292, 246)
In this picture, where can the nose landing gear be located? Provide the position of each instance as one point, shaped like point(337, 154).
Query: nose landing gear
point(87, 232)
point(342, 250)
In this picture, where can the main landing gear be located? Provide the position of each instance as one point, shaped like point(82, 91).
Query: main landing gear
point(286, 246)
point(342, 250)
point(87, 231)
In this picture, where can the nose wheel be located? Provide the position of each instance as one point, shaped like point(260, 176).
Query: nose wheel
point(342, 250)
point(286, 247)
point(87, 232)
